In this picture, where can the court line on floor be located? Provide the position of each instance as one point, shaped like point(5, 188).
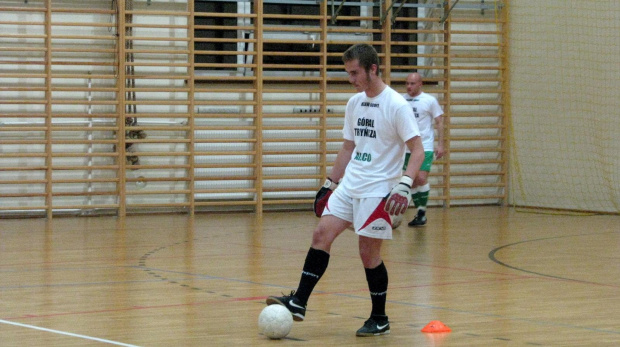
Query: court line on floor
point(322, 293)
point(493, 256)
point(67, 333)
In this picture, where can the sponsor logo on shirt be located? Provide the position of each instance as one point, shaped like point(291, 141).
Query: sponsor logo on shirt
point(369, 104)
point(363, 157)
point(365, 126)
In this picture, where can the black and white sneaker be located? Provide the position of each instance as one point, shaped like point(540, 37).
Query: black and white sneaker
point(298, 310)
point(419, 220)
point(374, 326)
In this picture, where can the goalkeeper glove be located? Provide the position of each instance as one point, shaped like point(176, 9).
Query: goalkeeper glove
point(320, 201)
point(399, 198)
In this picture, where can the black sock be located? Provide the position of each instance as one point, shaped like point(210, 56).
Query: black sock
point(377, 284)
point(314, 268)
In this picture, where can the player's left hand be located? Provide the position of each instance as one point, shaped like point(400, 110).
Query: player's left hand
point(400, 197)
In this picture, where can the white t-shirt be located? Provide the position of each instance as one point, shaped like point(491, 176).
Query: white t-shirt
point(379, 127)
point(425, 109)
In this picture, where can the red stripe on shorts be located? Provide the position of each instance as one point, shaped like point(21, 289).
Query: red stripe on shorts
point(378, 213)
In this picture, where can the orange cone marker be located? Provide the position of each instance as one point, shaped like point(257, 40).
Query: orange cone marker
point(436, 327)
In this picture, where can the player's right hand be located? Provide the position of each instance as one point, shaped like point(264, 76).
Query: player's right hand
point(320, 201)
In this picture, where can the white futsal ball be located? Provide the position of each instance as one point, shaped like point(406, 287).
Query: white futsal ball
point(396, 220)
point(275, 321)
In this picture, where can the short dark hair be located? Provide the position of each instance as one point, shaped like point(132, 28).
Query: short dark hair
point(364, 53)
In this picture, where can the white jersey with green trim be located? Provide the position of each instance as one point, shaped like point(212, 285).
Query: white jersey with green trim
point(379, 126)
point(425, 109)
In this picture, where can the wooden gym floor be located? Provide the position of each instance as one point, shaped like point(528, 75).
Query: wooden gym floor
point(495, 276)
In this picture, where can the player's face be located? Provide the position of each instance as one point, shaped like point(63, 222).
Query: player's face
point(413, 86)
point(358, 77)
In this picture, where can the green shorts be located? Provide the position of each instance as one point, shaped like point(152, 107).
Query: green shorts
point(426, 164)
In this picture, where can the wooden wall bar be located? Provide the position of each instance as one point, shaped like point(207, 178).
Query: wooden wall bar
point(121, 107)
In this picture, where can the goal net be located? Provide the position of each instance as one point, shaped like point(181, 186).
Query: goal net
point(565, 104)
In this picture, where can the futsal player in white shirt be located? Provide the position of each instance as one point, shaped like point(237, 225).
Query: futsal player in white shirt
point(372, 190)
point(427, 111)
